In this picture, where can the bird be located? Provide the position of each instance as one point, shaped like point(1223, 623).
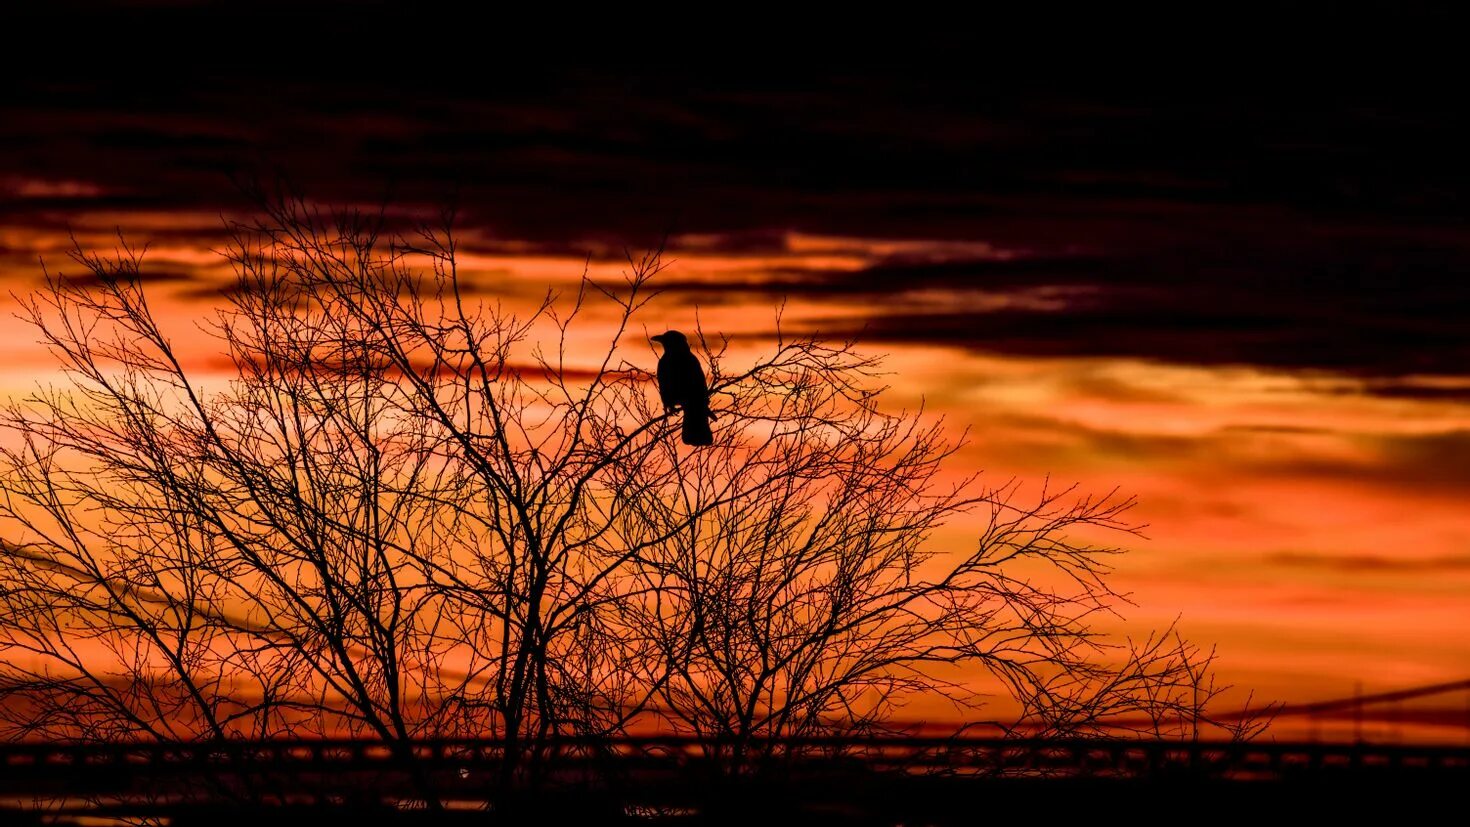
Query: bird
point(681, 385)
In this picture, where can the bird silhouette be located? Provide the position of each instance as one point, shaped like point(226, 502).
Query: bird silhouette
point(681, 385)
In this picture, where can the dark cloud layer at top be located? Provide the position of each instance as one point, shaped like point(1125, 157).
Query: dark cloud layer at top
point(1234, 208)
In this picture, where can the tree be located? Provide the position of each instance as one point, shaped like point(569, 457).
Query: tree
point(410, 514)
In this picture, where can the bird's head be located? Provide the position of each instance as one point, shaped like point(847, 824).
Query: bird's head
point(672, 340)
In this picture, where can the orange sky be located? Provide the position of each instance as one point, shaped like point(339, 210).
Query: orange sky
point(1311, 531)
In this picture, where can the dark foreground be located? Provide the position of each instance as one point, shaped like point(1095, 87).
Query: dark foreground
point(1054, 801)
point(671, 781)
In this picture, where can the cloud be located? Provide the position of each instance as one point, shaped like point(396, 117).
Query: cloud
point(1280, 229)
point(1430, 458)
point(1327, 307)
point(147, 275)
point(1423, 388)
point(1369, 563)
point(1427, 464)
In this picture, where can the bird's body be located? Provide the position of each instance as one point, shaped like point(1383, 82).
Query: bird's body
point(681, 386)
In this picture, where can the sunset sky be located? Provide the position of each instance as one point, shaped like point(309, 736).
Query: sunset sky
point(1241, 297)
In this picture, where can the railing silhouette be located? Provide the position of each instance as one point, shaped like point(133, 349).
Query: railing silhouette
point(940, 778)
point(1132, 758)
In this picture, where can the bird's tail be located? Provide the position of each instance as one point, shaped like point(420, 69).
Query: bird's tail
point(696, 427)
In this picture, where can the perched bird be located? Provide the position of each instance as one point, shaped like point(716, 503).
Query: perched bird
point(681, 385)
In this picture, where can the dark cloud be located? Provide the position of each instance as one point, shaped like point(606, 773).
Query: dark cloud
point(1408, 389)
point(1302, 214)
point(1146, 327)
point(1370, 564)
point(1432, 458)
point(1376, 309)
point(1431, 463)
point(77, 277)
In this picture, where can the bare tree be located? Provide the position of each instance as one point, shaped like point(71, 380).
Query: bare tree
point(410, 513)
point(801, 593)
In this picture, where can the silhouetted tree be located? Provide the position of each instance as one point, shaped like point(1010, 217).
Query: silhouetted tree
point(800, 591)
point(409, 513)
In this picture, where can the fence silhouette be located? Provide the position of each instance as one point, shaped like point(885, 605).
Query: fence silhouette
point(209, 783)
point(1063, 757)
